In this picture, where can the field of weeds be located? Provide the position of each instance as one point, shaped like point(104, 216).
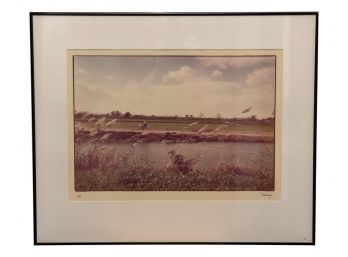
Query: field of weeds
point(98, 170)
point(107, 155)
point(154, 125)
point(114, 136)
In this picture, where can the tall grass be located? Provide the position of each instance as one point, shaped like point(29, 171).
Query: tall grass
point(118, 136)
point(101, 170)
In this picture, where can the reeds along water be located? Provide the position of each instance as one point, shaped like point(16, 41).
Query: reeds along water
point(109, 159)
point(110, 136)
point(125, 167)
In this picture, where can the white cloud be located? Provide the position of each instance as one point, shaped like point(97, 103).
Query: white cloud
point(93, 97)
point(261, 77)
point(192, 96)
point(235, 62)
point(191, 92)
point(109, 77)
point(217, 73)
point(182, 74)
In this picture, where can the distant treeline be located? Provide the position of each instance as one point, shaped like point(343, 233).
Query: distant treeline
point(188, 118)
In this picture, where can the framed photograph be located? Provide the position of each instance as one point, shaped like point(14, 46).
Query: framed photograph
point(176, 124)
point(174, 127)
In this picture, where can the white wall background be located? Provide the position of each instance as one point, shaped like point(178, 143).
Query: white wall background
point(16, 228)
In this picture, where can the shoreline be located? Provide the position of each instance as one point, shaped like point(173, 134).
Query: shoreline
point(138, 136)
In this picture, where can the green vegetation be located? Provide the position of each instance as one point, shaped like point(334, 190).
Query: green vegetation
point(140, 178)
point(96, 170)
point(185, 126)
point(107, 136)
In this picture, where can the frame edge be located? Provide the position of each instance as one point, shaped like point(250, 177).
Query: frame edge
point(31, 16)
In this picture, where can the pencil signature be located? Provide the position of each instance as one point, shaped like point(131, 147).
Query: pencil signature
point(267, 195)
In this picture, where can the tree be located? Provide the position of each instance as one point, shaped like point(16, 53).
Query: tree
point(115, 114)
point(201, 115)
point(218, 115)
point(127, 115)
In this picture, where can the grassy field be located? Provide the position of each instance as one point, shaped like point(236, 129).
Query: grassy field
point(188, 127)
point(96, 170)
point(100, 170)
point(149, 179)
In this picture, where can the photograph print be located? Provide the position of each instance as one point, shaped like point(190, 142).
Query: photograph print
point(195, 121)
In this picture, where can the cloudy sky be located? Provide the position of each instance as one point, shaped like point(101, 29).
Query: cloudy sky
point(175, 85)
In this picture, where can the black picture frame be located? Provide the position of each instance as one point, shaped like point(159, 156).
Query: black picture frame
point(34, 174)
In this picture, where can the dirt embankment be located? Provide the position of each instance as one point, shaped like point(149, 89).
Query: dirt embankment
point(130, 136)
